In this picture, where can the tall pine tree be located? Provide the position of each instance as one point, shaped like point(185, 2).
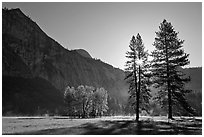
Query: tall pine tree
point(137, 75)
point(167, 63)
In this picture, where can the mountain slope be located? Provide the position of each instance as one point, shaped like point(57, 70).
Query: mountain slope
point(196, 78)
point(30, 96)
point(195, 97)
point(29, 53)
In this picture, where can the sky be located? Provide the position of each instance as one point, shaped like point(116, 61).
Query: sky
point(105, 29)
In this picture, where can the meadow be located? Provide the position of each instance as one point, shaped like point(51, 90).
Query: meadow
point(117, 125)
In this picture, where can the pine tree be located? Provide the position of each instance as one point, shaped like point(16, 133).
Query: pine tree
point(137, 75)
point(168, 58)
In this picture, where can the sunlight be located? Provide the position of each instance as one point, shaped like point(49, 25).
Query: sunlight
point(139, 61)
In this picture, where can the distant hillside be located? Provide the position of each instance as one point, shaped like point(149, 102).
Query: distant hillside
point(195, 97)
point(28, 52)
point(30, 96)
point(196, 78)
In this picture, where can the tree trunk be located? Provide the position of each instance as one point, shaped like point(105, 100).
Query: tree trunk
point(168, 85)
point(135, 77)
point(83, 111)
point(93, 111)
point(170, 102)
point(138, 97)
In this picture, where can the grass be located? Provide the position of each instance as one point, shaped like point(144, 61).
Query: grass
point(122, 125)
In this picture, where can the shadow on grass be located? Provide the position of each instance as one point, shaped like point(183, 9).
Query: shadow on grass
point(121, 127)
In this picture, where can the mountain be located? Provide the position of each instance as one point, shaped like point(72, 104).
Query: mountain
point(29, 54)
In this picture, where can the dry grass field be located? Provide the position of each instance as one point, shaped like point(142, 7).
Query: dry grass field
point(119, 125)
